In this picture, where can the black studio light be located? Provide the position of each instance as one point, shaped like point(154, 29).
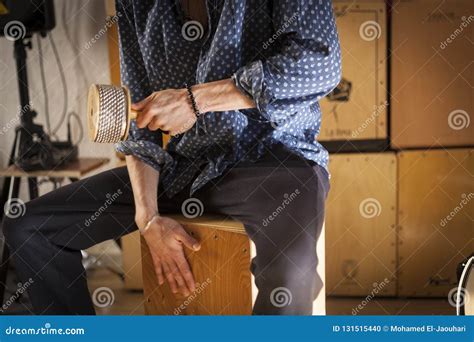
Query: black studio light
point(34, 15)
point(19, 20)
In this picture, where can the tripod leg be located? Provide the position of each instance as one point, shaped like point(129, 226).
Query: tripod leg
point(33, 187)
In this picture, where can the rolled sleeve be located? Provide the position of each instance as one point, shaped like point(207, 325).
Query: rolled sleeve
point(145, 147)
point(305, 66)
point(142, 143)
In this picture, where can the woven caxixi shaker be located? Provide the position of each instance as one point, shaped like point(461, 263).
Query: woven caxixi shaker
point(109, 113)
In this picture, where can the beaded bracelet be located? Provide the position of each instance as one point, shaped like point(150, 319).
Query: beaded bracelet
point(193, 100)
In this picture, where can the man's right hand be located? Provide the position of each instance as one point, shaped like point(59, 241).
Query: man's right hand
point(165, 238)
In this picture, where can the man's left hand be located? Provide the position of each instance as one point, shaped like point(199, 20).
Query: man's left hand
point(169, 110)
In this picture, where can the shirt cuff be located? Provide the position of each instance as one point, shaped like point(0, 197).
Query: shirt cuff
point(150, 153)
point(249, 79)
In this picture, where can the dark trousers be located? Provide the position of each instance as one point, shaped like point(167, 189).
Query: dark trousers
point(279, 199)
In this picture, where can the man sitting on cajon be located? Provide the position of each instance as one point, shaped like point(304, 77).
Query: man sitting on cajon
point(237, 84)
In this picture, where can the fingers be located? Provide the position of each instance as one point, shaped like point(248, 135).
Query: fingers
point(187, 240)
point(156, 123)
point(158, 270)
point(182, 288)
point(141, 104)
point(169, 276)
point(174, 277)
point(183, 266)
point(178, 274)
point(152, 118)
point(147, 116)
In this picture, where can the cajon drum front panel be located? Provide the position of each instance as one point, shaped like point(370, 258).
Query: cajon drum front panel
point(222, 272)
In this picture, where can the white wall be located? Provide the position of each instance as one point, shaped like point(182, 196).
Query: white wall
point(77, 22)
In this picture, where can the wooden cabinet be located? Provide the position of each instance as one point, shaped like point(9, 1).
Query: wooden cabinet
point(357, 109)
point(436, 211)
point(432, 73)
point(361, 225)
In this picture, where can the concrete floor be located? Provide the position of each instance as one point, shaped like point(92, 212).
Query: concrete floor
point(128, 302)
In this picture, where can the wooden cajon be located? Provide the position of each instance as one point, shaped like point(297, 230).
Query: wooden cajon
point(221, 269)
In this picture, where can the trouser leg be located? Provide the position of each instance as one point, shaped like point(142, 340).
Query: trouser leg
point(46, 241)
point(280, 201)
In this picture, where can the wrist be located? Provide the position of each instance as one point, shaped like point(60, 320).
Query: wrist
point(219, 96)
point(144, 229)
point(209, 96)
point(142, 218)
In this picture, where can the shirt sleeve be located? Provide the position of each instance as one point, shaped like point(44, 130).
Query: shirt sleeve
point(305, 65)
point(142, 143)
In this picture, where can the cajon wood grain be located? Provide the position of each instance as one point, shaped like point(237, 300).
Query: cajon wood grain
point(436, 207)
point(359, 112)
point(361, 225)
point(132, 261)
point(221, 269)
point(432, 93)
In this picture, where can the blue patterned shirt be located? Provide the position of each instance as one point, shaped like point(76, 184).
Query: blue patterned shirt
point(285, 55)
